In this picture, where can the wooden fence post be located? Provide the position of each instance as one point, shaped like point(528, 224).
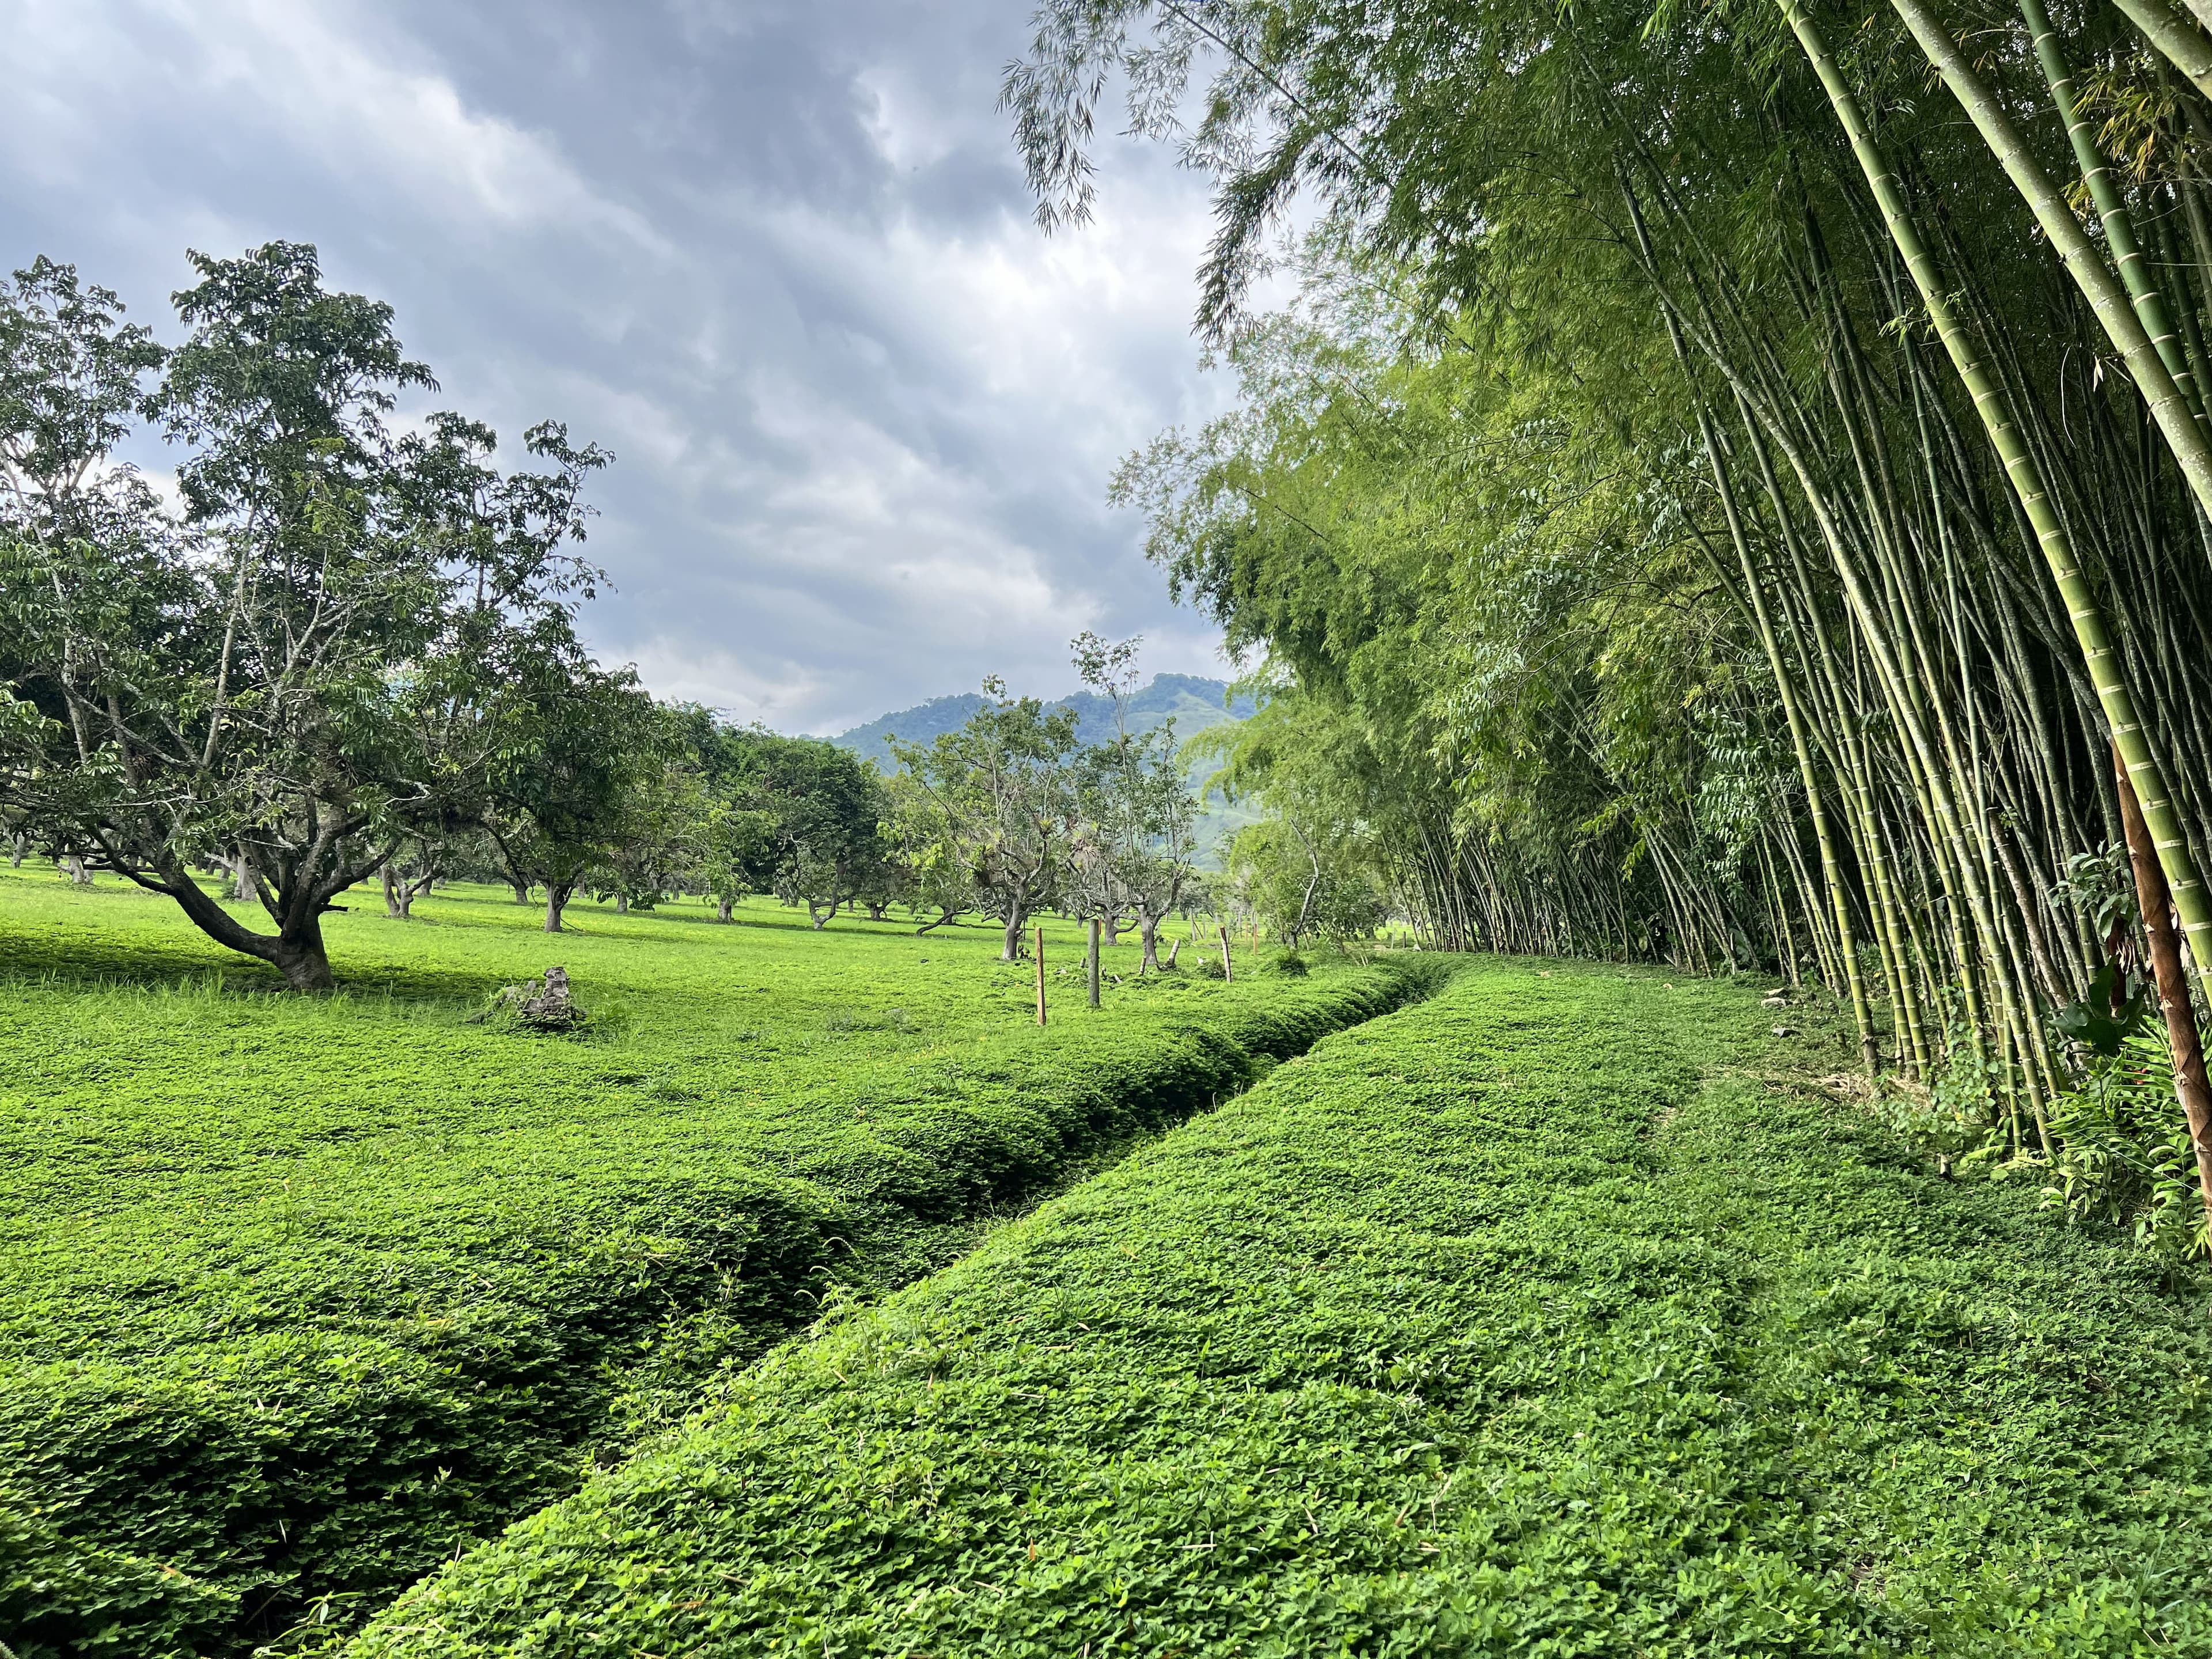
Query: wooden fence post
point(1095, 926)
point(1040, 972)
point(1228, 968)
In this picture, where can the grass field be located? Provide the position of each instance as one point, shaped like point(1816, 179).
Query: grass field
point(298, 1297)
point(1557, 1316)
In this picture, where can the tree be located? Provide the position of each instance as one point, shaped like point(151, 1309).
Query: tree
point(820, 808)
point(1137, 839)
point(575, 741)
point(997, 798)
point(738, 857)
point(292, 672)
point(658, 834)
point(410, 871)
point(934, 875)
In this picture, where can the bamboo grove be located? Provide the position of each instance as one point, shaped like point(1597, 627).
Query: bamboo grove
point(1732, 489)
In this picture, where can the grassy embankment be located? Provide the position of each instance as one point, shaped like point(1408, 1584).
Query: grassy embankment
point(298, 1297)
point(1554, 1316)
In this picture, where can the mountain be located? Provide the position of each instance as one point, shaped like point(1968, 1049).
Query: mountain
point(1192, 702)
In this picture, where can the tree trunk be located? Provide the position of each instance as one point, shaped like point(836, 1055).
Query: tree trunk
point(300, 957)
point(1013, 953)
point(875, 910)
point(939, 922)
point(1174, 950)
point(395, 905)
point(2181, 1034)
point(19, 847)
point(521, 891)
point(556, 900)
point(622, 904)
point(78, 875)
point(1148, 934)
point(722, 909)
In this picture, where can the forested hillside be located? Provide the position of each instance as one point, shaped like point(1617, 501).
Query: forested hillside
point(1192, 703)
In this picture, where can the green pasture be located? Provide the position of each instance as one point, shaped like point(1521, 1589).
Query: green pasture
point(299, 1296)
point(1564, 1314)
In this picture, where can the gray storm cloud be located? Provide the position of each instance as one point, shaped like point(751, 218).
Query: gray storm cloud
point(778, 257)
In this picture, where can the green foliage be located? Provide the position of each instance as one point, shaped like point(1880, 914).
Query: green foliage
point(1525, 1321)
point(797, 817)
point(1136, 845)
point(277, 1338)
point(313, 662)
point(2116, 1007)
point(2124, 1156)
point(996, 798)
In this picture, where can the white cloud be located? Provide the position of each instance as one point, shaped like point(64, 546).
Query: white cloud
point(777, 262)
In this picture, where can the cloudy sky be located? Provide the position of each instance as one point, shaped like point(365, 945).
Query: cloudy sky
point(775, 254)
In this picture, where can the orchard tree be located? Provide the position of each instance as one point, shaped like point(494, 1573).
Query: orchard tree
point(1137, 839)
point(576, 741)
point(814, 838)
point(1299, 887)
point(999, 800)
point(934, 875)
point(738, 852)
point(291, 672)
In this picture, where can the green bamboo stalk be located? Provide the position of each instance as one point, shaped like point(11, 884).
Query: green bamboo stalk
point(2119, 229)
point(1831, 867)
point(2190, 449)
point(2186, 48)
point(2090, 631)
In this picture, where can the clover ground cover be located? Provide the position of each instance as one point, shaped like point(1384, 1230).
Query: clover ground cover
point(1553, 1316)
point(298, 1295)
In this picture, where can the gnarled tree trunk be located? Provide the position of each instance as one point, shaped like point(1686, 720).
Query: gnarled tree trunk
point(300, 955)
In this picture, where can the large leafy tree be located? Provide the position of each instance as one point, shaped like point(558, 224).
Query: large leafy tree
point(295, 672)
point(576, 748)
point(798, 816)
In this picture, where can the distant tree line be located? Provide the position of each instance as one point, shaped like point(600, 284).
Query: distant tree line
point(346, 650)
